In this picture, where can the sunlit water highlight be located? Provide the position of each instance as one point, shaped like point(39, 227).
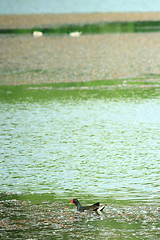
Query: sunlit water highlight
point(106, 148)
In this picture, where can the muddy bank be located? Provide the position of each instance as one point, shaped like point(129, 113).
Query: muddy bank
point(51, 20)
point(25, 59)
point(55, 58)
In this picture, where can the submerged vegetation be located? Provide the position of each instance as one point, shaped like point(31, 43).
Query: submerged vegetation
point(23, 217)
point(113, 88)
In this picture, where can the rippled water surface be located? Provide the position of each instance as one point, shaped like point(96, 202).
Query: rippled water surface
point(92, 148)
point(99, 146)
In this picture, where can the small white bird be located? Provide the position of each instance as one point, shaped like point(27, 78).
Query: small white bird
point(37, 34)
point(75, 34)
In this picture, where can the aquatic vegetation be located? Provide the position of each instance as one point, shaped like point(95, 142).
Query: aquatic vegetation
point(25, 219)
point(91, 28)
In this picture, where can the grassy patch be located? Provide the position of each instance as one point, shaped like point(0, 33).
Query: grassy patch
point(113, 88)
point(91, 28)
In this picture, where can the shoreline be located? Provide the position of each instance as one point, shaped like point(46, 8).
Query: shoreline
point(52, 20)
point(90, 57)
point(54, 59)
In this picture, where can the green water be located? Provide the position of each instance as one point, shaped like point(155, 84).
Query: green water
point(95, 141)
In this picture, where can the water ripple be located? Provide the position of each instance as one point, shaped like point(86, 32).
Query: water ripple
point(102, 147)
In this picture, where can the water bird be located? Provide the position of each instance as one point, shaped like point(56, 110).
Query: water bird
point(37, 34)
point(74, 34)
point(95, 207)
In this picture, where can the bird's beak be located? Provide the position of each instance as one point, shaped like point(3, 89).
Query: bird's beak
point(71, 201)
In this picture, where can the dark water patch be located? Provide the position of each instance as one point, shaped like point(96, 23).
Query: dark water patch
point(101, 27)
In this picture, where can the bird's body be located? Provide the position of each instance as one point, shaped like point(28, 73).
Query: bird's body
point(75, 34)
point(37, 34)
point(94, 207)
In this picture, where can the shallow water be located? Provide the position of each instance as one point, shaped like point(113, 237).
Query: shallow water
point(101, 146)
point(91, 144)
point(25, 219)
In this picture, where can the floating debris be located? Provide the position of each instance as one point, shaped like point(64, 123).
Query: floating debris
point(56, 219)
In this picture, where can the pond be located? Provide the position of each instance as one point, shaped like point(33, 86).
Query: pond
point(94, 143)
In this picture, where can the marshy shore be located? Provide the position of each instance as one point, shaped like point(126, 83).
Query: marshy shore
point(61, 58)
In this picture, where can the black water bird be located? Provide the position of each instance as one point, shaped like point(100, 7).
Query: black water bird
point(94, 207)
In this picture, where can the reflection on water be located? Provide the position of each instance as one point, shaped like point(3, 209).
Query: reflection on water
point(97, 146)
